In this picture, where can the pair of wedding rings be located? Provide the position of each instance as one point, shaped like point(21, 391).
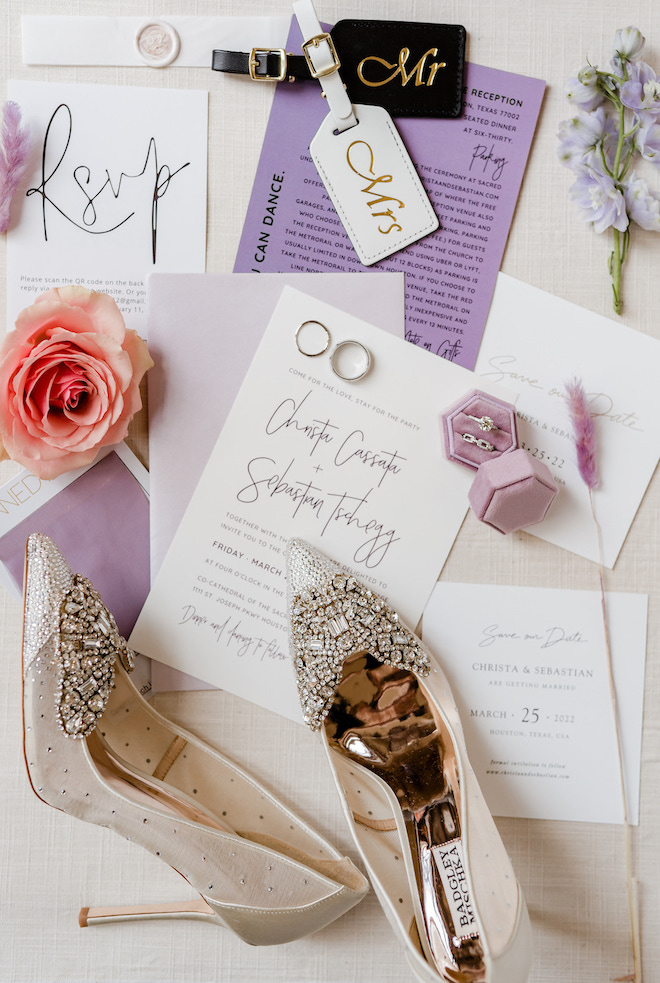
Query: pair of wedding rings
point(350, 360)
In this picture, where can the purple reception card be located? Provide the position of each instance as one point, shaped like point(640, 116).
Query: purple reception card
point(472, 169)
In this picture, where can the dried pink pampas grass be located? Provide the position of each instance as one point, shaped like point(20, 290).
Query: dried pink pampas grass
point(15, 142)
point(584, 431)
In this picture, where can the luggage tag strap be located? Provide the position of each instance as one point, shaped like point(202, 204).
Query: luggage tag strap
point(409, 68)
point(323, 62)
point(362, 161)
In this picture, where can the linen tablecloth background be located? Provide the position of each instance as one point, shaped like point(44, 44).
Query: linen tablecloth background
point(573, 874)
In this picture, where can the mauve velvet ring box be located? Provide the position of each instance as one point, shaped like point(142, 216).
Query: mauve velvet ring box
point(479, 428)
point(512, 491)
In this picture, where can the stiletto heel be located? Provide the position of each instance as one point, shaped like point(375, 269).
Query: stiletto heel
point(397, 750)
point(198, 910)
point(166, 790)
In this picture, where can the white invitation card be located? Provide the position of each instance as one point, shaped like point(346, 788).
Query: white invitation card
point(115, 189)
point(534, 343)
point(528, 669)
point(357, 469)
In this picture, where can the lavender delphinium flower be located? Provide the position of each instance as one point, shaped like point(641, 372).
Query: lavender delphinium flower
point(628, 44)
point(617, 121)
point(583, 136)
point(584, 91)
point(642, 204)
point(647, 142)
point(641, 92)
point(601, 201)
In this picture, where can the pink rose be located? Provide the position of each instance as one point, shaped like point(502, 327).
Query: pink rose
point(69, 380)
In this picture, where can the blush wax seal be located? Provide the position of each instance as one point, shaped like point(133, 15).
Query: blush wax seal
point(157, 43)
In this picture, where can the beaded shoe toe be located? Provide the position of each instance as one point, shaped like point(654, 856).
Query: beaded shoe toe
point(165, 789)
point(395, 744)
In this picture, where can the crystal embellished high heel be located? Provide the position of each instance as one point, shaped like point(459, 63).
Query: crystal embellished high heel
point(395, 744)
point(95, 749)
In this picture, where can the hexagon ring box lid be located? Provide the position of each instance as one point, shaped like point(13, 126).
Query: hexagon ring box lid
point(512, 491)
point(479, 428)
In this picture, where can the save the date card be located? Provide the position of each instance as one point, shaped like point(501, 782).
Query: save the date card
point(528, 668)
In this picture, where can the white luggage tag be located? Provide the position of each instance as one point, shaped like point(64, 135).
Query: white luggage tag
point(361, 159)
point(373, 184)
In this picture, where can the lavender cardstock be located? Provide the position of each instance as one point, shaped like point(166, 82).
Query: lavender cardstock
point(472, 170)
point(101, 523)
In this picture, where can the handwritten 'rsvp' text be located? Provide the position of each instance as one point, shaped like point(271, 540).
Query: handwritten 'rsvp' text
point(94, 206)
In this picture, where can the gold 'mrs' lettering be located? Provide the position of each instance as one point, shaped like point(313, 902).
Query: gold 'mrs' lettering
point(352, 156)
point(400, 69)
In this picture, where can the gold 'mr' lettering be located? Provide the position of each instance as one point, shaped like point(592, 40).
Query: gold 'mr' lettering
point(400, 68)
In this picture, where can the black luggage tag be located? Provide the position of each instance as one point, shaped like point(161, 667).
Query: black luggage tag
point(410, 69)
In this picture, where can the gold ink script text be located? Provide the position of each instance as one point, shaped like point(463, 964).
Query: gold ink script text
point(400, 69)
point(361, 149)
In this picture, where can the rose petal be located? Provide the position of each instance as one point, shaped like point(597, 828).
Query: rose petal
point(100, 308)
point(139, 354)
point(37, 323)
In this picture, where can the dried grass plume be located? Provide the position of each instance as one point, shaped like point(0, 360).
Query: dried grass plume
point(584, 431)
point(15, 142)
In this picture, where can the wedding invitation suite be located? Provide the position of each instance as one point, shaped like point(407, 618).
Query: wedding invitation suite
point(116, 189)
point(357, 469)
point(230, 312)
point(569, 341)
point(528, 669)
point(471, 168)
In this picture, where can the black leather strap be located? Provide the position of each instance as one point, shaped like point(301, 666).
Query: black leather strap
point(410, 68)
point(269, 65)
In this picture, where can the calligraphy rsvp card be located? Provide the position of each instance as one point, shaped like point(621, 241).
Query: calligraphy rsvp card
point(357, 469)
point(116, 189)
point(529, 672)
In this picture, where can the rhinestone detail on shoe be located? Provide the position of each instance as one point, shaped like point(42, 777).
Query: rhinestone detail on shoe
point(88, 645)
point(333, 619)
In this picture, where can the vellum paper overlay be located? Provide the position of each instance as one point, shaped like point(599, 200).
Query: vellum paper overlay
point(356, 469)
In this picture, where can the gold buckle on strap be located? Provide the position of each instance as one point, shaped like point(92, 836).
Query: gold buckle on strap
point(315, 42)
point(255, 59)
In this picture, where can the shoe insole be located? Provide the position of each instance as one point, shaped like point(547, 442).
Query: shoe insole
point(382, 719)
